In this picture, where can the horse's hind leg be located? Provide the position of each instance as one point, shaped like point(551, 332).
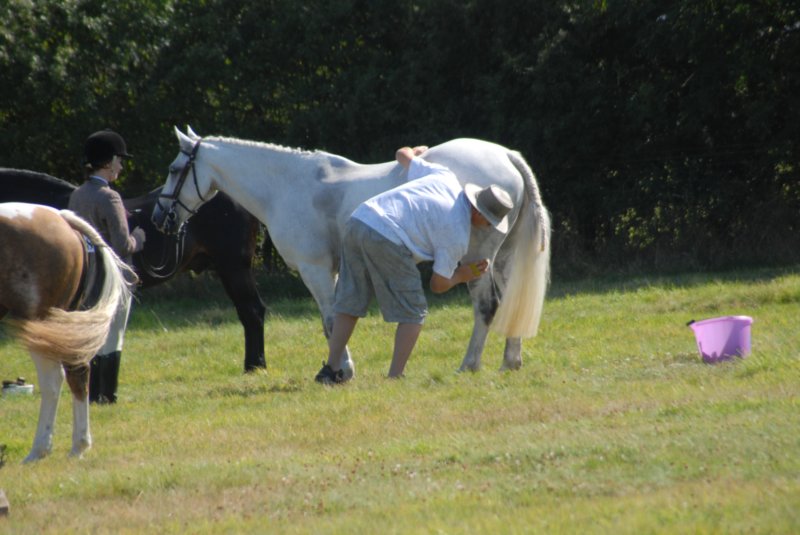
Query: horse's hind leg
point(472, 358)
point(78, 381)
point(512, 356)
point(51, 376)
point(484, 305)
point(240, 285)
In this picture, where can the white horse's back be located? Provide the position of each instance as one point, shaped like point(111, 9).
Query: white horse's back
point(472, 160)
point(525, 253)
point(478, 162)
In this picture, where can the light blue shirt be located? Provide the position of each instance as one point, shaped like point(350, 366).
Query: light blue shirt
point(429, 214)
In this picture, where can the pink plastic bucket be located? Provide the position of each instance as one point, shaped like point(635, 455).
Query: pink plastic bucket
point(720, 339)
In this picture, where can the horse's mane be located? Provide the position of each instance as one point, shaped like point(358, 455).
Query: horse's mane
point(258, 144)
point(274, 147)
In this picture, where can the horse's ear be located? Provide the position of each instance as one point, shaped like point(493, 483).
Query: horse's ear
point(191, 134)
point(184, 141)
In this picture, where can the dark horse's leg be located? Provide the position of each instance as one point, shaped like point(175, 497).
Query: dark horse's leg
point(240, 285)
point(233, 262)
point(224, 235)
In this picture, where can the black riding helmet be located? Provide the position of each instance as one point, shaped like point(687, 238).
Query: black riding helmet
point(101, 147)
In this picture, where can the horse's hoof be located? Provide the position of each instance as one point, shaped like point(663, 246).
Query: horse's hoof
point(511, 366)
point(34, 456)
point(77, 451)
point(78, 455)
point(348, 370)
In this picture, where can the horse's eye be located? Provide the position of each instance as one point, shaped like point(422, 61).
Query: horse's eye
point(173, 169)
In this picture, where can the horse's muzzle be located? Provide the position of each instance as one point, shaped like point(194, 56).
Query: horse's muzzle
point(164, 219)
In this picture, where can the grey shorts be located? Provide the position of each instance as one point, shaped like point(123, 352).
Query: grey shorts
point(372, 265)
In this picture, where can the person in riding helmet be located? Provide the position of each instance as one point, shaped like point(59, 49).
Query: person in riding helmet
point(95, 201)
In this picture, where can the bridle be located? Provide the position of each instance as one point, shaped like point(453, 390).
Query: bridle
point(174, 196)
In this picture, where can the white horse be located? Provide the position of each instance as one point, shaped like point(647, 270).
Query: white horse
point(304, 199)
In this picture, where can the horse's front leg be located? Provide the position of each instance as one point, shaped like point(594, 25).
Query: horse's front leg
point(78, 381)
point(51, 376)
point(321, 282)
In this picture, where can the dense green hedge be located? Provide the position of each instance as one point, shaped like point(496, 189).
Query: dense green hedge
point(664, 134)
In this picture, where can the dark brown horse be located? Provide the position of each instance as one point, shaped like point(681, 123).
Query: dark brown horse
point(57, 306)
point(222, 236)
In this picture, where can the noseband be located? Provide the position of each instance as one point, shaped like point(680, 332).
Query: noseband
point(174, 196)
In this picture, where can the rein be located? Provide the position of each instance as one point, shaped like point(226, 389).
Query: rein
point(175, 253)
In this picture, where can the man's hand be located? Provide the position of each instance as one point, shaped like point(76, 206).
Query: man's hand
point(139, 235)
point(478, 268)
point(404, 155)
point(464, 273)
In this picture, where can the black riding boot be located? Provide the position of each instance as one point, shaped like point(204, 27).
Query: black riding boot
point(96, 377)
point(111, 376)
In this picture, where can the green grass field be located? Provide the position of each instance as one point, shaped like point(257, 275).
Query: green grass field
point(613, 425)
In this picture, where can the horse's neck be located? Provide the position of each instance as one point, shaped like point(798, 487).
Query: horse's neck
point(282, 163)
point(277, 163)
point(256, 174)
point(263, 178)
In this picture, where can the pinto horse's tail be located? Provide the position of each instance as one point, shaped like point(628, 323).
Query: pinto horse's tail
point(73, 337)
point(522, 301)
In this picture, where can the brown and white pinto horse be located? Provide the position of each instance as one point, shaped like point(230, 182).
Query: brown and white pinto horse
point(57, 307)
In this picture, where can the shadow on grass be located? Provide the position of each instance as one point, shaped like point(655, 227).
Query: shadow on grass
point(632, 283)
point(201, 298)
point(245, 391)
point(191, 298)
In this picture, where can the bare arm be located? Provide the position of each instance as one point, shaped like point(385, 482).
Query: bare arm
point(463, 273)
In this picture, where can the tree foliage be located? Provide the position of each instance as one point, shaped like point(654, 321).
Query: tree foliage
point(664, 134)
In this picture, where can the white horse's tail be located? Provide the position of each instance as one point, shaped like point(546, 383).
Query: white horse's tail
point(74, 337)
point(522, 301)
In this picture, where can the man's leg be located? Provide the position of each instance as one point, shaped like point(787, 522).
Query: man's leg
point(405, 339)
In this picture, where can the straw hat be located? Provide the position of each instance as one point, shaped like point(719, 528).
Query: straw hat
point(493, 203)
